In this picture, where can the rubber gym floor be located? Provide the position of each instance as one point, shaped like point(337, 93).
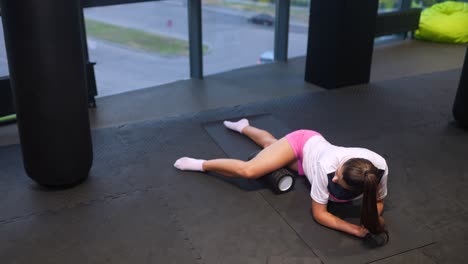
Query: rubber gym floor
point(136, 208)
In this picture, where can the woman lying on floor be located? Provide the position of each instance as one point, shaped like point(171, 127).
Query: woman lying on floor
point(335, 173)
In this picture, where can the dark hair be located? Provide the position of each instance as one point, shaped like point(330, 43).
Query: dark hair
point(361, 176)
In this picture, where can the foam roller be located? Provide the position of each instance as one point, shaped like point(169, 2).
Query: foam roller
point(279, 181)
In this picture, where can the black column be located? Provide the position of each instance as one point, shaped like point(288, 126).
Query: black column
point(460, 107)
point(340, 42)
point(47, 72)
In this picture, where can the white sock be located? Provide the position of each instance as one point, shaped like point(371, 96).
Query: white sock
point(237, 126)
point(187, 163)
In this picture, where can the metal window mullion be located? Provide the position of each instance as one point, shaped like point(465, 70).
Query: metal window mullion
point(406, 4)
point(195, 38)
point(281, 30)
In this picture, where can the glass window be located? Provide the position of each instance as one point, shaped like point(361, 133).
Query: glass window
point(137, 45)
point(237, 34)
point(389, 5)
point(3, 56)
point(298, 27)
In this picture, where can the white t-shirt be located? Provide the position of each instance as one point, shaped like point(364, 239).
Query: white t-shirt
point(321, 158)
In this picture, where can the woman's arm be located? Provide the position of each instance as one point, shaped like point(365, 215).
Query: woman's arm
point(380, 205)
point(323, 217)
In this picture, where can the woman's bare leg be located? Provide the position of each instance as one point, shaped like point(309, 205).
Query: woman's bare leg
point(262, 137)
point(271, 158)
point(275, 154)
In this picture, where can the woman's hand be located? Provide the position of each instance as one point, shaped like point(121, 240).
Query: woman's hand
point(323, 217)
point(361, 231)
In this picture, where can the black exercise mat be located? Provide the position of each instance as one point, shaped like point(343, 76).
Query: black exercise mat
point(331, 246)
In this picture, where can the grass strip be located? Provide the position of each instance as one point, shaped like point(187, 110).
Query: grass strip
point(138, 39)
point(7, 118)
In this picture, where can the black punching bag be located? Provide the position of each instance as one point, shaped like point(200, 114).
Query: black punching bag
point(460, 107)
point(47, 73)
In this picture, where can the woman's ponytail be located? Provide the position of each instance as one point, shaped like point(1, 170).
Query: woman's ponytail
point(369, 212)
point(361, 175)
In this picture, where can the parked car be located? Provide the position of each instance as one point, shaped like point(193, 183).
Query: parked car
point(266, 57)
point(262, 19)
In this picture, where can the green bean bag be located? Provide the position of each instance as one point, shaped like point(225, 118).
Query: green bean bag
point(444, 22)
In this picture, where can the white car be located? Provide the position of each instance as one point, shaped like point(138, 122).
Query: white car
point(266, 57)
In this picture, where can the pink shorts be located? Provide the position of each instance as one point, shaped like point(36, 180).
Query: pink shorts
point(297, 140)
